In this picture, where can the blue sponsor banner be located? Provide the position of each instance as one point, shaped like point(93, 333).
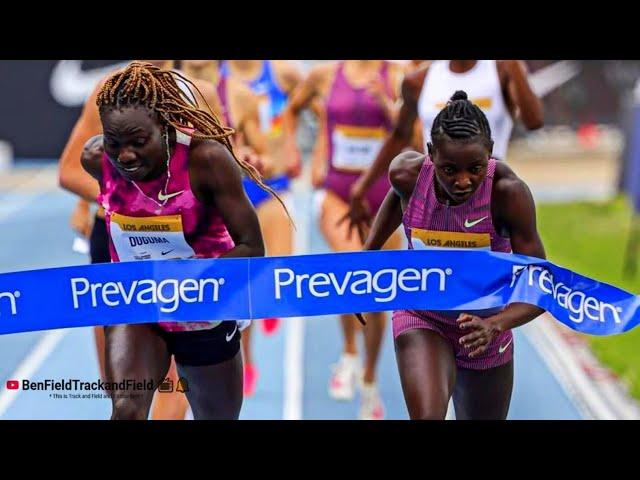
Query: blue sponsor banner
point(453, 281)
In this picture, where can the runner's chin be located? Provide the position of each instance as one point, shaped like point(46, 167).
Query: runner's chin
point(137, 173)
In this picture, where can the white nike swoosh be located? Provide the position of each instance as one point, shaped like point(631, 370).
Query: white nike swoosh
point(502, 349)
point(71, 86)
point(547, 79)
point(468, 224)
point(229, 337)
point(163, 197)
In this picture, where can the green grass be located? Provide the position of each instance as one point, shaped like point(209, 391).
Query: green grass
point(590, 238)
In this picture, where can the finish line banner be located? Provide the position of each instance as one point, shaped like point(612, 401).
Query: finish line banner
point(477, 282)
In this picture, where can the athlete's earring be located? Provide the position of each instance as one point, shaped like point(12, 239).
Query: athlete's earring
point(166, 142)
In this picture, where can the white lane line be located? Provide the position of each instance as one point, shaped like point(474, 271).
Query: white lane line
point(294, 334)
point(563, 364)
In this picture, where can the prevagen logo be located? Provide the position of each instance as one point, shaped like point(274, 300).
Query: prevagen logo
point(169, 292)
point(11, 297)
point(384, 283)
point(578, 303)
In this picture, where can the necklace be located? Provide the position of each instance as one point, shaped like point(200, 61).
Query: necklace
point(162, 194)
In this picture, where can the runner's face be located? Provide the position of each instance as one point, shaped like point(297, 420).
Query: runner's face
point(460, 167)
point(134, 141)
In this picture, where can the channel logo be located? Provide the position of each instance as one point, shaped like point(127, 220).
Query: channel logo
point(13, 384)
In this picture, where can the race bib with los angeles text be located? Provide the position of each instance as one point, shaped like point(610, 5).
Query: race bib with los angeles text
point(149, 238)
point(431, 239)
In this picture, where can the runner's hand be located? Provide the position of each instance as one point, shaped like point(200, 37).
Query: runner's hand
point(248, 155)
point(293, 159)
point(359, 214)
point(293, 167)
point(481, 333)
point(81, 221)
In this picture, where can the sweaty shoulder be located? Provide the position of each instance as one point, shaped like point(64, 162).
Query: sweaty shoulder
point(91, 157)
point(203, 151)
point(208, 94)
point(241, 92)
point(404, 170)
point(396, 71)
point(321, 75)
point(287, 73)
point(211, 167)
point(503, 68)
point(507, 186)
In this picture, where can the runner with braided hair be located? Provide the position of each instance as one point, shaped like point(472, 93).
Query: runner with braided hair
point(500, 88)
point(166, 406)
point(167, 170)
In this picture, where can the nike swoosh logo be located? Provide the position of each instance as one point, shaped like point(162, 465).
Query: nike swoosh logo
point(70, 86)
point(547, 79)
point(230, 336)
point(468, 224)
point(164, 253)
point(503, 348)
point(162, 197)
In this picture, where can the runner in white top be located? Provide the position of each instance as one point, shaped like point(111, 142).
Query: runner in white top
point(499, 87)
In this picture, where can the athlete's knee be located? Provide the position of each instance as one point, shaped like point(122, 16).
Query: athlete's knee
point(429, 415)
point(130, 409)
point(429, 410)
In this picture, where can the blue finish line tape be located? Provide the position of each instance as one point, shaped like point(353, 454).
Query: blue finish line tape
point(477, 282)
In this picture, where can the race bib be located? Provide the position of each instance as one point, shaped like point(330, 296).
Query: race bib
point(431, 239)
point(355, 148)
point(155, 238)
point(149, 238)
